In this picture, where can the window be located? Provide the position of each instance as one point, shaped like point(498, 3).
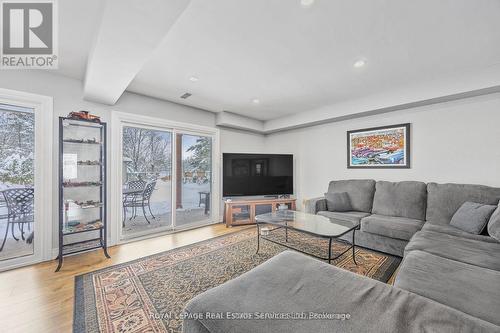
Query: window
point(165, 180)
point(17, 177)
point(194, 179)
point(26, 174)
point(146, 181)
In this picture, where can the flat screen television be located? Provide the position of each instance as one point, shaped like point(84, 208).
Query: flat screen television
point(257, 174)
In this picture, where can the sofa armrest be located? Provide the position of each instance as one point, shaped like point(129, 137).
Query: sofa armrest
point(314, 205)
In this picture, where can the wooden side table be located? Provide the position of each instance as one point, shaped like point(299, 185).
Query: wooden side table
point(242, 211)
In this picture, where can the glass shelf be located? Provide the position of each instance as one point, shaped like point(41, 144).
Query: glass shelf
point(85, 206)
point(70, 205)
point(81, 184)
point(87, 245)
point(82, 123)
point(83, 142)
point(89, 163)
point(82, 227)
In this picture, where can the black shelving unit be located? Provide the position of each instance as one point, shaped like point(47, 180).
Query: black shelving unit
point(82, 187)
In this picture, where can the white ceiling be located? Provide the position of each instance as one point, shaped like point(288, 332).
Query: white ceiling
point(294, 59)
point(79, 22)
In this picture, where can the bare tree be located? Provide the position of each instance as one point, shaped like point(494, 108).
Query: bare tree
point(149, 151)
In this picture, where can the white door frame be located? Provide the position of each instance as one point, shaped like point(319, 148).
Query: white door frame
point(44, 225)
point(120, 119)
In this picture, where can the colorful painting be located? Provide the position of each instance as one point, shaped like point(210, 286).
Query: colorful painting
point(379, 147)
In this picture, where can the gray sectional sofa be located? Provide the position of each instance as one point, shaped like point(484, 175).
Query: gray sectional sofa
point(448, 281)
point(293, 283)
point(390, 213)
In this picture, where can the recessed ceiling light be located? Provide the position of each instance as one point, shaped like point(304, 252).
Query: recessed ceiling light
point(255, 101)
point(359, 63)
point(306, 3)
point(193, 79)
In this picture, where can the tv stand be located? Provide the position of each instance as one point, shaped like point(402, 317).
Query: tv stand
point(242, 211)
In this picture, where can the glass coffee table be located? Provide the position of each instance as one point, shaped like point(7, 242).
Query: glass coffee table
point(315, 225)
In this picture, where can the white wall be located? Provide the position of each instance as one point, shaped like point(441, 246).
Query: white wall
point(236, 141)
point(450, 142)
point(68, 96)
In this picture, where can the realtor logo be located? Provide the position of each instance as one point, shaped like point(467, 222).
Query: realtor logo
point(28, 34)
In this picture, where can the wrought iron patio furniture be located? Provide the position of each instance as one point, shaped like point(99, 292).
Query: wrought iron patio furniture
point(20, 210)
point(138, 199)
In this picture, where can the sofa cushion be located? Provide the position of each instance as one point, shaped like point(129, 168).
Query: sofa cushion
point(470, 251)
point(338, 202)
point(494, 224)
point(294, 283)
point(443, 200)
point(404, 199)
point(391, 226)
point(467, 288)
point(360, 192)
point(450, 230)
point(472, 217)
point(348, 216)
point(376, 242)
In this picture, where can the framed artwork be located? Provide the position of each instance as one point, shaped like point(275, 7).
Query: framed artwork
point(379, 147)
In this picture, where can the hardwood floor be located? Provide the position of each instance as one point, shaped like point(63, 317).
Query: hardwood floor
point(35, 299)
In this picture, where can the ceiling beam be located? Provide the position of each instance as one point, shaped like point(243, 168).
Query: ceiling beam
point(130, 31)
point(233, 120)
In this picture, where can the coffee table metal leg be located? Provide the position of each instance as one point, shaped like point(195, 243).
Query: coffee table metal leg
point(330, 250)
point(258, 238)
point(353, 246)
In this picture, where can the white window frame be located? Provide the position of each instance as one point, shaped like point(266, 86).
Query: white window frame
point(45, 225)
point(121, 119)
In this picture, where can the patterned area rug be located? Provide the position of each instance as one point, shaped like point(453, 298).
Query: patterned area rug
point(148, 294)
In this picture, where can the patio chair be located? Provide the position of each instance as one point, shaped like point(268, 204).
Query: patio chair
point(20, 210)
point(3, 208)
point(139, 200)
point(136, 185)
point(132, 189)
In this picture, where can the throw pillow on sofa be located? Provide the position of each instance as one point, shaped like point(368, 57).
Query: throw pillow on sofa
point(472, 217)
point(338, 202)
point(494, 224)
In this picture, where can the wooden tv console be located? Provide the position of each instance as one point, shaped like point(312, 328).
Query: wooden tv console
point(242, 211)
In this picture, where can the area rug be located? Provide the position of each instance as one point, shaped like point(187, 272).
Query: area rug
point(149, 294)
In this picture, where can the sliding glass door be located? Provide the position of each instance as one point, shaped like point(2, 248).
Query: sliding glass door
point(146, 181)
point(166, 177)
point(17, 180)
point(194, 179)
point(26, 139)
